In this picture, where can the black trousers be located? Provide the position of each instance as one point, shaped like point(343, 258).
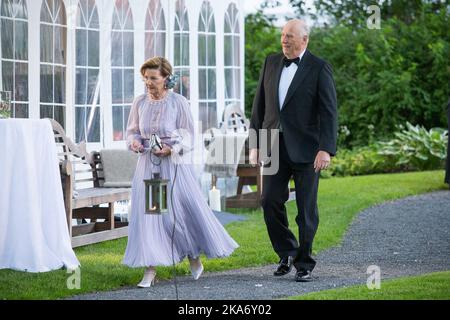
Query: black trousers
point(274, 195)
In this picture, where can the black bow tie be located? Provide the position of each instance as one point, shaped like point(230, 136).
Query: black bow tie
point(287, 62)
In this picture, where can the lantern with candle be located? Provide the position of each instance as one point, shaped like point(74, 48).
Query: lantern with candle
point(156, 195)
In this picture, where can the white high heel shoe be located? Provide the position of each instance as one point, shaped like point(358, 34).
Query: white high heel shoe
point(149, 278)
point(196, 269)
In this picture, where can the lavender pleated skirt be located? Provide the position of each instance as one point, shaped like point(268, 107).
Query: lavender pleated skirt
point(152, 240)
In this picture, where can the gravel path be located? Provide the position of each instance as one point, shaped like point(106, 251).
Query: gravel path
point(406, 237)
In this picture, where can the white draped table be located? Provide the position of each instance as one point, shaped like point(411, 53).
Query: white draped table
point(34, 236)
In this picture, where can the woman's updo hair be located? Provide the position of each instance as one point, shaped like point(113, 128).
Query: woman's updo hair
point(160, 63)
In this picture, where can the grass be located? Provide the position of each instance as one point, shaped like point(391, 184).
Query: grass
point(340, 200)
point(433, 286)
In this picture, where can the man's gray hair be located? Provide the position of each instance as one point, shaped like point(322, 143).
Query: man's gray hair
point(304, 28)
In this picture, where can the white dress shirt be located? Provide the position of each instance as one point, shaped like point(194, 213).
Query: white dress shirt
point(286, 78)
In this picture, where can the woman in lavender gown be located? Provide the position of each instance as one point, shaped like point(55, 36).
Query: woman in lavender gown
point(190, 227)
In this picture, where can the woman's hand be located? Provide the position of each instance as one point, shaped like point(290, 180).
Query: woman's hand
point(164, 152)
point(137, 146)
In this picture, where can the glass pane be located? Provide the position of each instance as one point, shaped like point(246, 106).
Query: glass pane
point(211, 50)
point(7, 39)
point(185, 22)
point(177, 23)
point(126, 115)
point(94, 48)
point(236, 26)
point(6, 10)
point(129, 20)
point(202, 84)
point(236, 51)
point(80, 121)
point(46, 83)
point(228, 50)
point(60, 45)
point(229, 84)
point(116, 25)
point(116, 48)
point(117, 123)
point(237, 83)
point(227, 22)
point(162, 20)
point(21, 36)
point(20, 110)
point(94, 22)
point(211, 84)
point(80, 86)
point(45, 13)
point(60, 84)
point(185, 50)
point(128, 86)
point(60, 115)
point(93, 124)
point(81, 15)
point(21, 85)
point(212, 25)
point(117, 87)
point(212, 115)
point(201, 22)
point(46, 43)
point(203, 115)
point(128, 49)
point(160, 46)
point(61, 14)
point(149, 45)
point(81, 50)
point(183, 85)
point(8, 77)
point(177, 50)
point(92, 87)
point(201, 50)
point(46, 112)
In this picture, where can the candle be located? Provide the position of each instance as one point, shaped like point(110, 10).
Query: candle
point(214, 199)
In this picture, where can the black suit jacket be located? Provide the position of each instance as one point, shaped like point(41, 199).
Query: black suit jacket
point(309, 113)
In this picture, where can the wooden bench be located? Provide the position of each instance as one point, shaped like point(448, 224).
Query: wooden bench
point(82, 181)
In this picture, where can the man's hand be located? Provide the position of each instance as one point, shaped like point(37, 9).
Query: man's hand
point(322, 161)
point(253, 157)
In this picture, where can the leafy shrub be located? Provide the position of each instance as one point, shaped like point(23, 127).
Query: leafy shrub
point(416, 148)
point(412, 148)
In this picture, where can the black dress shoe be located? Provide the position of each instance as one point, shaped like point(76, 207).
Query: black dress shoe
point(284, 267)
point(303, 276)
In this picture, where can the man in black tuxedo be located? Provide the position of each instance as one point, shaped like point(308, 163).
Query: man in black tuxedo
point(296, 94)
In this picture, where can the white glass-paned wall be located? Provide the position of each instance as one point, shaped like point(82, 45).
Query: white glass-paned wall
point(155, 30)
point(181, 49)
point(53, 36)
point(14, 54)
point(232, 56)
point(87, 85)
point(207, 67)
point(122, 67)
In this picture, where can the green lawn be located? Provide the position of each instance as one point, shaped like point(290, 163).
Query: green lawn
point(340, 199)
point(433, 286)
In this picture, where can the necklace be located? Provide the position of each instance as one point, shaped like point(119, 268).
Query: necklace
point(153, 97)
